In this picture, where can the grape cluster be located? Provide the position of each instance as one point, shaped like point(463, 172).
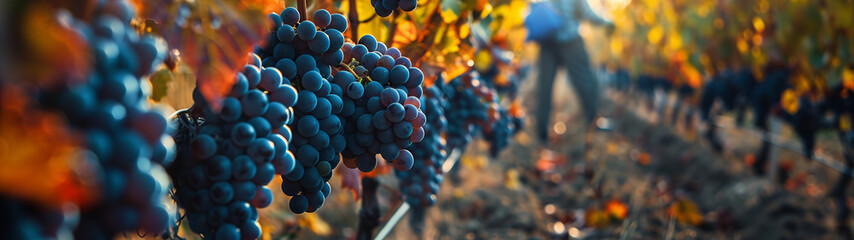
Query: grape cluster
point(382, 109)
point(502, 74)
point(306, 52)
point(222, 173)
point(420, 184)
point(499, 134)
point(123, 136)
point(466, 106)
point(477, 106)
point(386, 7)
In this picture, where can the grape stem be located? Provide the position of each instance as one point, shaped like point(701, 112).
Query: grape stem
point(349, 69)
point(301, 9)
point(393, 27)
point(370, 213)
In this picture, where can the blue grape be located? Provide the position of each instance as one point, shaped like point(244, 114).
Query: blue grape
point(358, 52)
point(243, 168)
point(399, 75)
point(253, 75)
point(355, 90)
point(263, 197)
point(287, 67)
point(395, 112)
point(408, 5)
point(369, 42)
point(338, 22)
point(285, 34)
point(298, 204)
point(261, 150)
point(306, 30)
point(290, 16)
point(403, 61)
point(312, 81)
point(306, 102)
point(380, 75)
point(322, 18)
point(203, 147)
point(320, 43)
point(227, 232)
point(254, 103)
point(385, 61)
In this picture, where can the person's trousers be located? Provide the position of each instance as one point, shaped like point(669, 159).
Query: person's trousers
point(573, 56)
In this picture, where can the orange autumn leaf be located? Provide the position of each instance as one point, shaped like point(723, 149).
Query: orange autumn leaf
point(616, 209)
point(382, 168)
point(51, 50)
point(749, 159)
point(596, 217)
point(213, 37)
point(406, 33)
point(686, 212)
point(36, 143)
point(644, 159)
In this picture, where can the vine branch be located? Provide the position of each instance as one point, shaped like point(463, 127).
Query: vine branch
point(353, 16)
point(301, 9)
point(370, 212)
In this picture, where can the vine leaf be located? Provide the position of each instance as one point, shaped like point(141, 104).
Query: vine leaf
point(315, 224)
point(49, 43)
point(616, 209)
point(213, 36)
point(686, 211)
point(350, 180)
point(24, 131)
point(160, 83)
point(406, 33)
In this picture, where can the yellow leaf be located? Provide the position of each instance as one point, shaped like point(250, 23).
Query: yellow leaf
point(845, 123)
point(406, 33)
point(449, 16)
point(686, 212)
point(758, 24)
point(848, 78)
point(315, 224)
point(596, 217)
point(511, 179)
point(655, 35)
point(483, 60)
point(790, 101)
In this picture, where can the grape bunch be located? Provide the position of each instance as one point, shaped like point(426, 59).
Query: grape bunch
point(466, 106)
point(123, 136)
point(382, 107)
point(501, 72)
point(222, 172)
point(477, 106)
point(306, 52)
point(420, 184)
point(499, 134)
point(386, 7)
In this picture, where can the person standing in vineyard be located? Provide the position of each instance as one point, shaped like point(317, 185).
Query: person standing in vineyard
point(566, 48)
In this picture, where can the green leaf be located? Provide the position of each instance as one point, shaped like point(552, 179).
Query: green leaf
point(160, 81)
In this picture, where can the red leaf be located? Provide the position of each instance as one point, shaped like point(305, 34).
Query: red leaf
point(214, 37)
point(350, 180)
